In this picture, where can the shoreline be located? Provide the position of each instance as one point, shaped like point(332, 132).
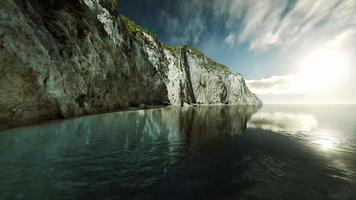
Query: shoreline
point(145, 107)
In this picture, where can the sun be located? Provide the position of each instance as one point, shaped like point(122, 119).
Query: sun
point(323, 68)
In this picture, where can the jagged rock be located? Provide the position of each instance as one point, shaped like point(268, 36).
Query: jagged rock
point(65, 58)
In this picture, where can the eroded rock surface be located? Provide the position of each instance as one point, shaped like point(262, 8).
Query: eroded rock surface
point(66, 58)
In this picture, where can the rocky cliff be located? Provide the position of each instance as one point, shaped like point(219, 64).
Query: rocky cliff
point(65, 58)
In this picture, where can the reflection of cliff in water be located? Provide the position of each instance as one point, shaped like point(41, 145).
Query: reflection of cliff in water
point(128, 129)
point(212, 122)
point(160, 150)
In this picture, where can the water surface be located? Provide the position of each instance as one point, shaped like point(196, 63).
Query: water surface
point(212, 152)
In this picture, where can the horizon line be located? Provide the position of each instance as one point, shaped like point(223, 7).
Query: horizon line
point(310, 102)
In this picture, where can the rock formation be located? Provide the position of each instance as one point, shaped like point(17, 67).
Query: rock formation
point(66, 58)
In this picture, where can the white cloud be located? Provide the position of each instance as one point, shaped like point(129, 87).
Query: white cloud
point(288, 84)
point(341, 38)
point(267, 23)
point(296, 26)
point(231, 39)
point(260, 23)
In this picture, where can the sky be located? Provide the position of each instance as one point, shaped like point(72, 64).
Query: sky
point(287, 50)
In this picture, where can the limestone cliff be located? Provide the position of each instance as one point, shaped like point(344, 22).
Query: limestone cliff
point(65, 58)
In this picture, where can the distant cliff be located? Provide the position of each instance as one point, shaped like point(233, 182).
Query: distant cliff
point(65, 58)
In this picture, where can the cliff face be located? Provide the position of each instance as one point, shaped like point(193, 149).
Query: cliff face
point(65, 58)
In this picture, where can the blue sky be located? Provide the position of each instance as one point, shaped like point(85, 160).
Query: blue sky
point(274, 44)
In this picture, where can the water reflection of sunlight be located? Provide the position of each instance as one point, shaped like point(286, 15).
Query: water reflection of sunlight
point(283, 122)
point(324, 139)
point(289, 123)
point(300, 123)
point(326, 144)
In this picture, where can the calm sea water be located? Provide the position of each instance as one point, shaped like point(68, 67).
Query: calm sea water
point(214, 152)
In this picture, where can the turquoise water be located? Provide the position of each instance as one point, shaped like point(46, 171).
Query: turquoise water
point(212, 152)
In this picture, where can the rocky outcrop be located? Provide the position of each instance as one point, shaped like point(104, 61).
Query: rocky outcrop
point(194, 78)
point(61, 59)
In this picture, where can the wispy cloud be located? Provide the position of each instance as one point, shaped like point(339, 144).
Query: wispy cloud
point(261, 24)
point(187, 23)
point(288, 84)
point(231, 39)
point(267, 36)
point(281, 23)
point(341, 38)
point(319, 69)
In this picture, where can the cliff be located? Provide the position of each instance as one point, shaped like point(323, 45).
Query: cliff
point(61, 59)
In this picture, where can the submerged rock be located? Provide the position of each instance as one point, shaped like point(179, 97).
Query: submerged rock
point(64, 58)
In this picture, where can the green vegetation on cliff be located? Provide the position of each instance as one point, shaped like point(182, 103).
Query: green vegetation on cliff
point(133, 28)
point(139, 31)
point(210, 64)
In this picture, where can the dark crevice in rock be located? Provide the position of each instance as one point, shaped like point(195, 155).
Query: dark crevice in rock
point(189, 88)
point(80, 100)
point(223, 95)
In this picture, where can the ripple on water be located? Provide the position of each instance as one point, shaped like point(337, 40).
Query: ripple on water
point(215, 152)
